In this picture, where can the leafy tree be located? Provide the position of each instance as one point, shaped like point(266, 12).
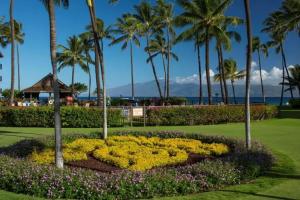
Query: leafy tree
point(49, 5)
point(259, 47)
point(79, 87)
point(128, 29)
point(206, 16)
point(71, 55)
point(6, 94)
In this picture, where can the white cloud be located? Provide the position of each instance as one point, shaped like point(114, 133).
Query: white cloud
point(253, 64)
point(271, 77)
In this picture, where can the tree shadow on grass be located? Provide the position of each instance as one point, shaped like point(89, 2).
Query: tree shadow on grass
point(18, 134)
point(23, 148)
point(259, 195)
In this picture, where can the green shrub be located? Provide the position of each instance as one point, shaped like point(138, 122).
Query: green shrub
point(295, 103)
point(206, 114)
point(70, 117)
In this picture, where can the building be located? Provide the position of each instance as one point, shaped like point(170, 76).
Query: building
point(45, 85)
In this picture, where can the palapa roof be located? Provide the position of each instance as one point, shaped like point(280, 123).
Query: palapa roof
point(45, 85)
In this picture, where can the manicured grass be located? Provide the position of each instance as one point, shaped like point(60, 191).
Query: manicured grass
point(282, 136)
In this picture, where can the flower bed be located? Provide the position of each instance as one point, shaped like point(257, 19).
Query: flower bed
point(133, 153)
point(238, 165)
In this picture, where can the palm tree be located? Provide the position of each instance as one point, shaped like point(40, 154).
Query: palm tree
point(231, 73)
point(150, 25)
point(291, 15)
point(19, 38)
point(259, 47)
point(49, 4)
point(294, 79)
point(248, 74)
point(128, 28)
point(278, 34)
point(87, 47)
point(100, 56)
point(166, 15)
point(103, 33)
point(71, 55)
point(159, 46)
point(12, 35)
point(205, 16)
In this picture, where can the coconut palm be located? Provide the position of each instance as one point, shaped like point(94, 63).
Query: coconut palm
point(231, 73)
point(248, 74)
point(87, 47)
point(291, 15)
point(19, 39)
point(205, 16)
point(165, 11)
point(294, 79)
point(150, 25)
point(49, 5)
point(100, 56)
point(71, 55)
point(12, 36)
point(103, 33)
point(159, 46)
point(128, 29)
point(277, 32)
point(259, 47)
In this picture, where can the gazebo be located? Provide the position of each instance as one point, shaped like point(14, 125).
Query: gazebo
point(45, 85)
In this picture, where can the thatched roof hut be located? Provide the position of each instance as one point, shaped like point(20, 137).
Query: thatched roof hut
point(45, 85)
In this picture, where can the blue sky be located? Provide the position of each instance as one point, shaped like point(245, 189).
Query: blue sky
point(35, 56)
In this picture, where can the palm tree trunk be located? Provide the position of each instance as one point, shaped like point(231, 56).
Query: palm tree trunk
point(233, 91)
point(168, 65)
point(223, 76)
point(199, 74)
point(12, 29)
point(165, 75)
point(97, 74)
point(132, 77)
point(154, 70)
point(57, 120)
point(100, 56)
point(287, 70)
point(261, 79)
point(282, 86)
point(207, 66)
point(90, 83)
point(248, 74)
point(73, 77)
point(18, 60)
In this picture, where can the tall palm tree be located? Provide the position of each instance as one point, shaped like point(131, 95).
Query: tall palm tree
point(294, 79)
point(231, 73)
point(12, 35)
point(273, 26)
point(159, 46)
point(206, 16)
point(49, 4)
point(259, 47)
point(291, 15)
point(128, 29)
point(71, 55)
point(165, 11)
point(248, 74)
point(150, 25)
point(100, 56)
point(87, 47)
point(103, 33)
point(19, 39)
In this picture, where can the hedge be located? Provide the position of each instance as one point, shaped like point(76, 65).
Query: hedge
point(19, 175)
point(74, 117)
point(196, 115)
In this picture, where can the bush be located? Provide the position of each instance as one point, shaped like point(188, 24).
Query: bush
point(295, 103)
point(70, 117)
point(22, 176)
point(206, 114)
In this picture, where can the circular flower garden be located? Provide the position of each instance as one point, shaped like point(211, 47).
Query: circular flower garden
point(130, 165)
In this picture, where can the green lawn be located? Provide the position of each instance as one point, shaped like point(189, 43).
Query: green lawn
point(282, 136)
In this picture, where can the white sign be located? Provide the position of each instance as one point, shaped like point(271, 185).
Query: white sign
point(137, 112)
